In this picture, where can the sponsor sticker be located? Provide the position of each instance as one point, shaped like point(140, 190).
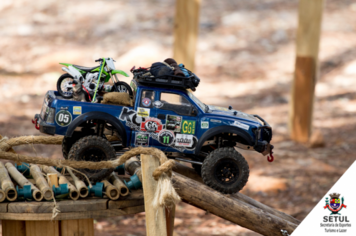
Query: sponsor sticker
point(132, 119)
point(241, 125)
point(188, 127)
point(158, 104)
point(63, 118)
point(146, 102)
point(205, 124)
point(215, 121)
point(173, 123)
point(184, 140)
point(77, 110)
point(143, 112)
point(142, 139)
point(166, 137)
point(151, 125)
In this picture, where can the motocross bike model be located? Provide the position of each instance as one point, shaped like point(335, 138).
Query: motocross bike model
point(91, 79)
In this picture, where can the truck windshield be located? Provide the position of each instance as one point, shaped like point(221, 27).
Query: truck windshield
point(197, 101)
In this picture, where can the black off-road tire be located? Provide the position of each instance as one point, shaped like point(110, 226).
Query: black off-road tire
point(59, 82)
point(93, 148)
point(68, 142)
point(225, 170)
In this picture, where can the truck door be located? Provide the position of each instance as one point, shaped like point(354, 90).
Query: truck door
point(144, 109)
point(180, 120)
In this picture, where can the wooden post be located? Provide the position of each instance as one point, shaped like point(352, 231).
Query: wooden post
point(155, 218)
point(39, 228)
point(83, 227)
point(52, 179)
point(186, 25)
point(13, 228)
point(306, 69)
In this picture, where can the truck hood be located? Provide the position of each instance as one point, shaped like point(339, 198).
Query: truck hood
point(222, 111)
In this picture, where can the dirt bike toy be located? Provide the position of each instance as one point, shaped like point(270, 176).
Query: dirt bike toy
point(90, 78)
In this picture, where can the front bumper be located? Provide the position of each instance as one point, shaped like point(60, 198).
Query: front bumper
point(42, 126)
point(263, 146)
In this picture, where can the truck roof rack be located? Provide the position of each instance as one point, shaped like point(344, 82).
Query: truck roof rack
point(143, 76)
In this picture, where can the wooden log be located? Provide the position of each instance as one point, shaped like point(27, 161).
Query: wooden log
point(190, 173)
point(110, 190)
point(80, 185)
point(205, 198)
point(6, 184)
point(170, 215)
point(22, 181)
point(73, 192)
point(306, 69)
point(41, 182)
point(134, 199)
point(117, 182)
point(186, 25)
point(155, 218)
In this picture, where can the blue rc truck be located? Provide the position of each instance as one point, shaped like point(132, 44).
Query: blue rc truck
point(163, 115)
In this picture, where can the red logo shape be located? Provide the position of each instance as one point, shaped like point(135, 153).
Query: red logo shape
point(151, 125)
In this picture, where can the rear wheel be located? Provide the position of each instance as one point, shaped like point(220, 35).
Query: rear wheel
point(122, 87)
point(64, 86)
point(225, 170)
point(93, 148)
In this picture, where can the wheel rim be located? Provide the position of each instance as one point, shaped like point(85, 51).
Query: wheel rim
point(226, 171)
point(67, 88)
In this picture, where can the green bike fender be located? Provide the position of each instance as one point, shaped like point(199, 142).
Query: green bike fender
point(119, 72)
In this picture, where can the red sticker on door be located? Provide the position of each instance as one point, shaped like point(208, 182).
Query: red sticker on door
point(151, 125)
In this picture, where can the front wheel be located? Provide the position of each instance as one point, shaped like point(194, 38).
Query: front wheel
point(122, 87)
point(225, 170)
point(64, 86)
point(93, 148)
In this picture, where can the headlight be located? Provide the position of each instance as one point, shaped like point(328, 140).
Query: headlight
point(44, 110)
point(50, 116)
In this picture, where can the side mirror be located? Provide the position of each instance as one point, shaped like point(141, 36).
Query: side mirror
point(194, 112)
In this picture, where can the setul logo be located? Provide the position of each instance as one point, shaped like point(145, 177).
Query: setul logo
point(335, 205)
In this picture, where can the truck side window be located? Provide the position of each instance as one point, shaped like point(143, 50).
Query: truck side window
point(177, 103)
point(147, 98)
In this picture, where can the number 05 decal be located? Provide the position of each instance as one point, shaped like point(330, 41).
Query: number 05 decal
point(63, 118)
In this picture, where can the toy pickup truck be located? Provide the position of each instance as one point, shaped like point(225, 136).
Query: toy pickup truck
point(170, 119)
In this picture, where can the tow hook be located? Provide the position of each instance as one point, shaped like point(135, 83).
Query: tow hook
point(270, 158)
point(37, 126)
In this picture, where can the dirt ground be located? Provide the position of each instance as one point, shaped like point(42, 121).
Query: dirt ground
point(245, 59)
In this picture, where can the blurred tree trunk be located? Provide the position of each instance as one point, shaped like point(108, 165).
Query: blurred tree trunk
point(186, 25)
point(306, 69)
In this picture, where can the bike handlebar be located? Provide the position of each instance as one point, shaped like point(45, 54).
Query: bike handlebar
point(99, 60)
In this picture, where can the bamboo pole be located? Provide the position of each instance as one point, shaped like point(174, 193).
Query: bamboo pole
point(117, 182)
point(80, 185)
point(73, 192)
point(155, 218)
point(22, 181)
point(186, 26)
point(110, 190)
point(41, 182)
point(306, 69)
point(6, 184)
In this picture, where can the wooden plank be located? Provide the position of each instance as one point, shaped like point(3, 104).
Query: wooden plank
point(73, 215)
point(3, 207)
point(42, 228)
point(63, 206)
point(134, 199)
point(305, 74)
point(186, 25)
point(13, 228)
point(77, 227)
point(155, 218)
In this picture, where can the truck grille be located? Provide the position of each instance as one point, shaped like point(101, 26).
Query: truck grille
point(266, 134)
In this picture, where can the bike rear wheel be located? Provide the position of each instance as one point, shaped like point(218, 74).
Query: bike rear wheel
point(64, 88)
